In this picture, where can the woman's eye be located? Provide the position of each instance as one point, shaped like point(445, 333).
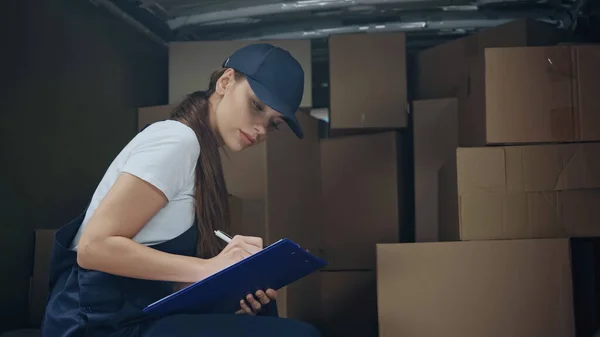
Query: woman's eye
point(275, 125)
point(255, 106)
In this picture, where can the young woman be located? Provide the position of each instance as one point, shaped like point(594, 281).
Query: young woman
point(149, 227)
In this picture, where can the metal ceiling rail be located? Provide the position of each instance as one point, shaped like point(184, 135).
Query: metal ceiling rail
point(386, 27)
point(441, 24)
point(290, 7)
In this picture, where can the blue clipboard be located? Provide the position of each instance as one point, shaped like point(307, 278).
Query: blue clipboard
point(274, 267)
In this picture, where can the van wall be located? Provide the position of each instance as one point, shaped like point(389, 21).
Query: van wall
point(72, 77)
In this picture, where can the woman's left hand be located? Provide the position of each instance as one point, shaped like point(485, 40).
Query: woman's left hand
point(251, 305)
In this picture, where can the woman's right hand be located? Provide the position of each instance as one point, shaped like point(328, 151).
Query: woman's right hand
point(238, 249)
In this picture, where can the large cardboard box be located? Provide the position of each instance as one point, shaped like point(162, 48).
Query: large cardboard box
point(532, 191)
point(362, 197)
point(247, 216)
point(435, 139)
point(533, 95)
point(192, 63)
point(517, 288)
point(348, 304)
point(301, 299)
point(367, 81)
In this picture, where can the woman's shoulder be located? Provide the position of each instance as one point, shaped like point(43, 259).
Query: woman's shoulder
point(170, 127)
point(165, 155)
point(170, 132)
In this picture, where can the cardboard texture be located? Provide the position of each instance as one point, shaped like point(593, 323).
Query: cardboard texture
point(284, 171)
point(516, 192)
point(151, 114)
point(539, 94)
point(300, 300)
point(192, 63)
point(38, 292)
point(367, 81)
point(437, 80)
point(247, 216)
point(362, 204)
point(348, 304)
point(517, 288)
point(435, 139)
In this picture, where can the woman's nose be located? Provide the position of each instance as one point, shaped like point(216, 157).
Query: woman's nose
point(260, 129)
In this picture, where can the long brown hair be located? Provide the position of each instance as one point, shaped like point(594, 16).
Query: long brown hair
point(211, 199)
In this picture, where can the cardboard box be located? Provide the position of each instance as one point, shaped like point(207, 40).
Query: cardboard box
point(534, 95)
point(192, 63)
point(301, 299)
point(516, 192)
point(441, 70)
point(471, 73)
point(151, 114)
point(435, 139)
point(348, 304)
point(362, 197)
point(248, 216)
point(367, 81)
point(284, 171)
point(472, 289)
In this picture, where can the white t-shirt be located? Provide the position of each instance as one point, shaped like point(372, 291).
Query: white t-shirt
point(165, 155)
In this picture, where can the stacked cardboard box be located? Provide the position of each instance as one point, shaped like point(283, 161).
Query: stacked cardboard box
point(507, 184)
point(362, 175)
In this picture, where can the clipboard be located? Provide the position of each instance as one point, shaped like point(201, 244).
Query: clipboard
point(274, 267)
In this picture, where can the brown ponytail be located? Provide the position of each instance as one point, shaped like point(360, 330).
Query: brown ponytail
point(211, 199)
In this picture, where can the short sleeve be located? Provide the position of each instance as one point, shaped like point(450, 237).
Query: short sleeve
point(165, 156)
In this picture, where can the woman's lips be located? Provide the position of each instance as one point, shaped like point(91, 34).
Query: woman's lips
point(246, 138)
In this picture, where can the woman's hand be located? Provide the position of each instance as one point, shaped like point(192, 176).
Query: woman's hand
point(251, 305)
point(238, 249)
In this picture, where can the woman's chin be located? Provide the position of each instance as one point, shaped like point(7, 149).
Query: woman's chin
point(234, 146)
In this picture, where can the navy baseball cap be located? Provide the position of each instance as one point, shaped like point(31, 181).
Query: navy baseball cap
point(275, 76)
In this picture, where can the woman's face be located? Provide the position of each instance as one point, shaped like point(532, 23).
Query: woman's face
point(242, 120)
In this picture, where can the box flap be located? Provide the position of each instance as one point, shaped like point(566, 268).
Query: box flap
point(531, 168)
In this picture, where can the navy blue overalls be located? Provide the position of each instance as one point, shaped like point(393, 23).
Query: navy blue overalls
point(91, 303)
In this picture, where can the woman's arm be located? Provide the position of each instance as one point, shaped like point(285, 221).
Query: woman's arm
point(106, 243)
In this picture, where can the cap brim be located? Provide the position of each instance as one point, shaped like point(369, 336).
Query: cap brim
point(269, 99)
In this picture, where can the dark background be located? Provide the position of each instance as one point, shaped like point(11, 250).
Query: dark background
point(71, 78)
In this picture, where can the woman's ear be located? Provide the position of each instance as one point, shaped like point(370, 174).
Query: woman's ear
point(225, 82)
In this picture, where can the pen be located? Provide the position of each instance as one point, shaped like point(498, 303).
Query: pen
point(227, 238)
point(223, 236)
